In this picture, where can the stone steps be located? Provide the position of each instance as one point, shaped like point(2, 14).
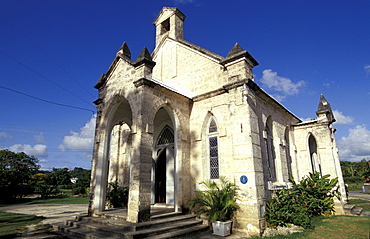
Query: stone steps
point(182, 232)
point(350, 209)
point(168, 225)
point(170, 230)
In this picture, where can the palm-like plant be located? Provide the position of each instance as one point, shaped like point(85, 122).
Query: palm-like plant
point(218, 201)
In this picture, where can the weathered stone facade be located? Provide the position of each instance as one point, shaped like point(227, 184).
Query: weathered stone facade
point(183, 115)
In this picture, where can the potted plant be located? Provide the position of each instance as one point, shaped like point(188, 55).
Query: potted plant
point(218, 202)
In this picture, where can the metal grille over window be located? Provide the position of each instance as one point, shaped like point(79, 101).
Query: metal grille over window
point(213, 153)
point(212, 126)
point(166, 137)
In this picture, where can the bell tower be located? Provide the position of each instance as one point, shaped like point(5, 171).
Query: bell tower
point(324, 111)
point(169, 22)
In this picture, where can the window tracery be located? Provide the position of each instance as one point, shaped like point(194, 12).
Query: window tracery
point(213, 150)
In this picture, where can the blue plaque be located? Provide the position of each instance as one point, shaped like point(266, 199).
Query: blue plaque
point(243, 179)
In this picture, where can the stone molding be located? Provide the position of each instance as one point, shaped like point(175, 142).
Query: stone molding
point(144, 81)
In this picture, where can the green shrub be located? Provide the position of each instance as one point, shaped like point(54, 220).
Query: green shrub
point(79, 188)
point(218, 201)
point(313, 196)
point(354, 179)
point(47, 191)
point(117, 196)
point(65, 186)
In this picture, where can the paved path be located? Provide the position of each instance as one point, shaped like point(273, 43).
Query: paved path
point(53, 213)
point(358, 194)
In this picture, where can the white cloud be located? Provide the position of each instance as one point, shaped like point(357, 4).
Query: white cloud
point(4, 135)
point(38, 150)
point(341, 118)
point(280, 84)
point(356, 145)
point(328, 84)
point(367, 69)
point(39, 138)
point(80, 141)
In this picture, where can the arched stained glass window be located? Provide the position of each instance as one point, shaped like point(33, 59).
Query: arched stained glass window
point(166, 137)
point(213, 150)
point(212, 126)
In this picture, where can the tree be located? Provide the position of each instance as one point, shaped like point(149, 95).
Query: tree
point(40, 182)
point(364, 167)
point(356, 169)
point(16, 171)
point(83, 180)
point(60, 176)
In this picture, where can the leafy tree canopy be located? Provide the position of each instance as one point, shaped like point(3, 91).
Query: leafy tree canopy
point(16, 171)
point(352, 169)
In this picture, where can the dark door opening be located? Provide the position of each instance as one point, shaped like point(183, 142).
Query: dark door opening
point(160, 178)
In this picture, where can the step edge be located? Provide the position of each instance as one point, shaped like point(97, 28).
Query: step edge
point(166, 228)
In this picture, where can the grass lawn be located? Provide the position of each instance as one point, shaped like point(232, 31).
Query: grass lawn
point(355, 186)
point(63, 200)
point(12, 223)
point(68, 198)
point(338, 227)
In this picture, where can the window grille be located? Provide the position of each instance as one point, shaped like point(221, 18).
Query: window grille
point(166, 137)
point(213, 155)
point(214, 166)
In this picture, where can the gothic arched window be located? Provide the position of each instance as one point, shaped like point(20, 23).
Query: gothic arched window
point(287, 151)
point(315, 164)
point(213, 150)
point(270, 150)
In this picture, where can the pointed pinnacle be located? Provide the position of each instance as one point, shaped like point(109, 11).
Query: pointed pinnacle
point(125, 50)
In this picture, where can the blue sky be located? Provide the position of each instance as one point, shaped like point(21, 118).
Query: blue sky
point(56, 51)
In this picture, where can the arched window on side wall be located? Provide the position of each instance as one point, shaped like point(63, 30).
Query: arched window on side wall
point(287, 151)
point(270, 150)
point(213, 150)
point(314, 157)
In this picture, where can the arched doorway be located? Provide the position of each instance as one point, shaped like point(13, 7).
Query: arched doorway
point(108, 160)
point(164, 167)
point(160, 178)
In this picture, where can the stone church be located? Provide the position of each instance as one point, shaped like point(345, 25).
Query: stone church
point(182, 114)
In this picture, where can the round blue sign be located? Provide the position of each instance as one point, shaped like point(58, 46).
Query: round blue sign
point(243, 179)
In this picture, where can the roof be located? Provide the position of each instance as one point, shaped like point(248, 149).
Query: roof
point(306, 122)
point(175, 11)
point(253, 85)
point(175, 88)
